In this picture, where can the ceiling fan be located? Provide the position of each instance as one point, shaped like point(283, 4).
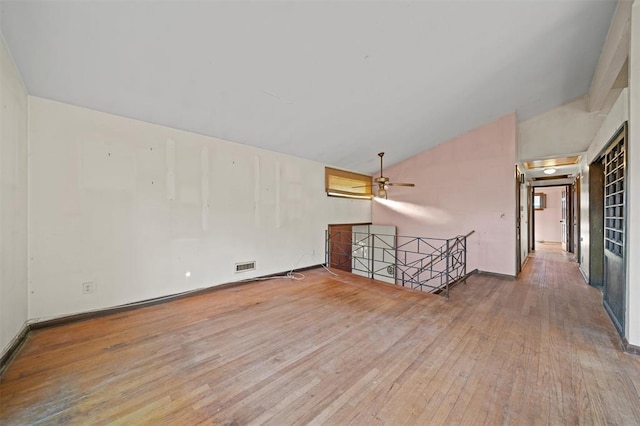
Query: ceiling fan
point(383, 181)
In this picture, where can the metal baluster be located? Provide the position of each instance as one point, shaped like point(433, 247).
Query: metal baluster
point(326, 248)
point(464, 265)
point(371, 248)
point(447, 271)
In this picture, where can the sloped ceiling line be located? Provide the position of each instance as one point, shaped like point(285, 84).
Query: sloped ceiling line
point(334, 82)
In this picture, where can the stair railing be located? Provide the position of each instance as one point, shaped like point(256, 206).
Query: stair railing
point(426, 264)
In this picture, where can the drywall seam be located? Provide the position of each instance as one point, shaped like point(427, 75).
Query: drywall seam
point(256, 190)
point(204, 179)
point(170, 154)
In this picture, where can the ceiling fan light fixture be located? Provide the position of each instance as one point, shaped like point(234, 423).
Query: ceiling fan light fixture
point(383, 182)
point(549, 171)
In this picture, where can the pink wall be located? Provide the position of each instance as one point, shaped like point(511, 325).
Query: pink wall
point(464, 184)
point(548, 220)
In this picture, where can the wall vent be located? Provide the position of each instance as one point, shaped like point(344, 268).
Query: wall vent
point(246, 266)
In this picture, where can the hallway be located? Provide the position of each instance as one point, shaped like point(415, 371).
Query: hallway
point(566, 358)
point(339, 350)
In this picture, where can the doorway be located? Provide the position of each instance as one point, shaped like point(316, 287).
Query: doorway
point(555, 216)
point(549, 215)
point(340, 248)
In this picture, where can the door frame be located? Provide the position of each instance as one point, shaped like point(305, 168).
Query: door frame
point(577, 239)
point(532, 220)
point(567, 211)
point(596, 223)
point(569, 219)
point(519, 180)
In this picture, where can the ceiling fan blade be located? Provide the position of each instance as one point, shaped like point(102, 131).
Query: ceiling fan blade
point(365, 186)
point(400, 184)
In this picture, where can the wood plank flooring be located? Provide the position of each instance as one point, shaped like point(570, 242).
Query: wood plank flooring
point(339, 350)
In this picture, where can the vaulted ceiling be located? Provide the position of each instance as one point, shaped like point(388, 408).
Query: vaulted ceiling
point(333, 81)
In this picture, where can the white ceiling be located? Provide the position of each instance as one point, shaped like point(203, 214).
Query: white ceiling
point(333, 81)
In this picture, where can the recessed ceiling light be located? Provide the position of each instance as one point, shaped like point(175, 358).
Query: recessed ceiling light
point(549, 171)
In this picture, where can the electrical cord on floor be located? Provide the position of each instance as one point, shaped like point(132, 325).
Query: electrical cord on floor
point(296, 276)
point(330, 271)
point(291, 275)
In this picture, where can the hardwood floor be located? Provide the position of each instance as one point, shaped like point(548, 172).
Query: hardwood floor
point(339, 350)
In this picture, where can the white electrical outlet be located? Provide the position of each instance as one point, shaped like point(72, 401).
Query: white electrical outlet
point(88, 287)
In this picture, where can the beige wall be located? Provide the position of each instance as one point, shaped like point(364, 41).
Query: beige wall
point(134, 208)
point(13, 201)
point(585, 231)
point(567, 129)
